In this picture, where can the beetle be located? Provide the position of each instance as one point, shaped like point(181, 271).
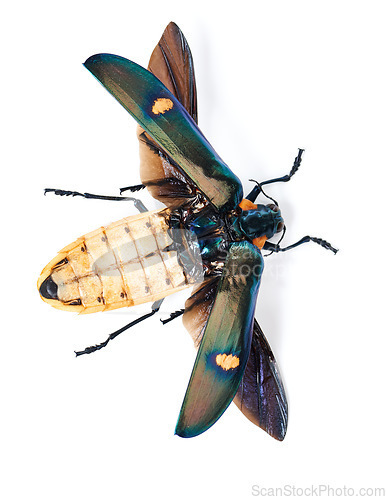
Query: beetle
point(207, 236)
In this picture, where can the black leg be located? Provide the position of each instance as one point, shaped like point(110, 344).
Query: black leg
point(154, 308)
point(133, 189)
point(60, 192)
point(277, 248)
point(173, 315)
point(295, 167)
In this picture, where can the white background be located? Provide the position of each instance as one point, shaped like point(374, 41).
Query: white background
point(271, 77)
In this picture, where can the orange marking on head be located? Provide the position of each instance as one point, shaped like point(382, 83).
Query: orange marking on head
point(227, 362)
point(247, 205)
point(162, 105)
point(259, 242)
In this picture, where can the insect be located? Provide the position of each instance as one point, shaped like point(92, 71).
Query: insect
point(207, 236)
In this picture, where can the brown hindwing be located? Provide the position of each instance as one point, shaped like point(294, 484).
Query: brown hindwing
point(171, 62)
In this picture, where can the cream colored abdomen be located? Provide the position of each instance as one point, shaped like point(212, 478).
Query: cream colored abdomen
point(120, 265)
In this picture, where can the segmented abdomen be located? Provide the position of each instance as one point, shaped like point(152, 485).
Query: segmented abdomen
point(121, 265)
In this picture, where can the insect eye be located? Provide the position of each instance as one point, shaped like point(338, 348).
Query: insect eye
point(273, 207)
point(280, 227)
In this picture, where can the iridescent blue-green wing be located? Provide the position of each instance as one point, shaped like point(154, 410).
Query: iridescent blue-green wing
point(225, 345)
point(261, 396)
point(161, 115)
point(172, 63)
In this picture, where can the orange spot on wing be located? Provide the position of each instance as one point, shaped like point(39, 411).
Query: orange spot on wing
point(247, 205)
point(227, 362)
point(162, 105)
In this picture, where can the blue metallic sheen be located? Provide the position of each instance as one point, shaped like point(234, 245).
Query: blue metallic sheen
point(261, 221)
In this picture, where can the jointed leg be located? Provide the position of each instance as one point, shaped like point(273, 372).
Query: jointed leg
point(295, 167)
point(60, 192)
point(173, 315)
point(154, 308)
point(277, 248)
point(133, 189)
